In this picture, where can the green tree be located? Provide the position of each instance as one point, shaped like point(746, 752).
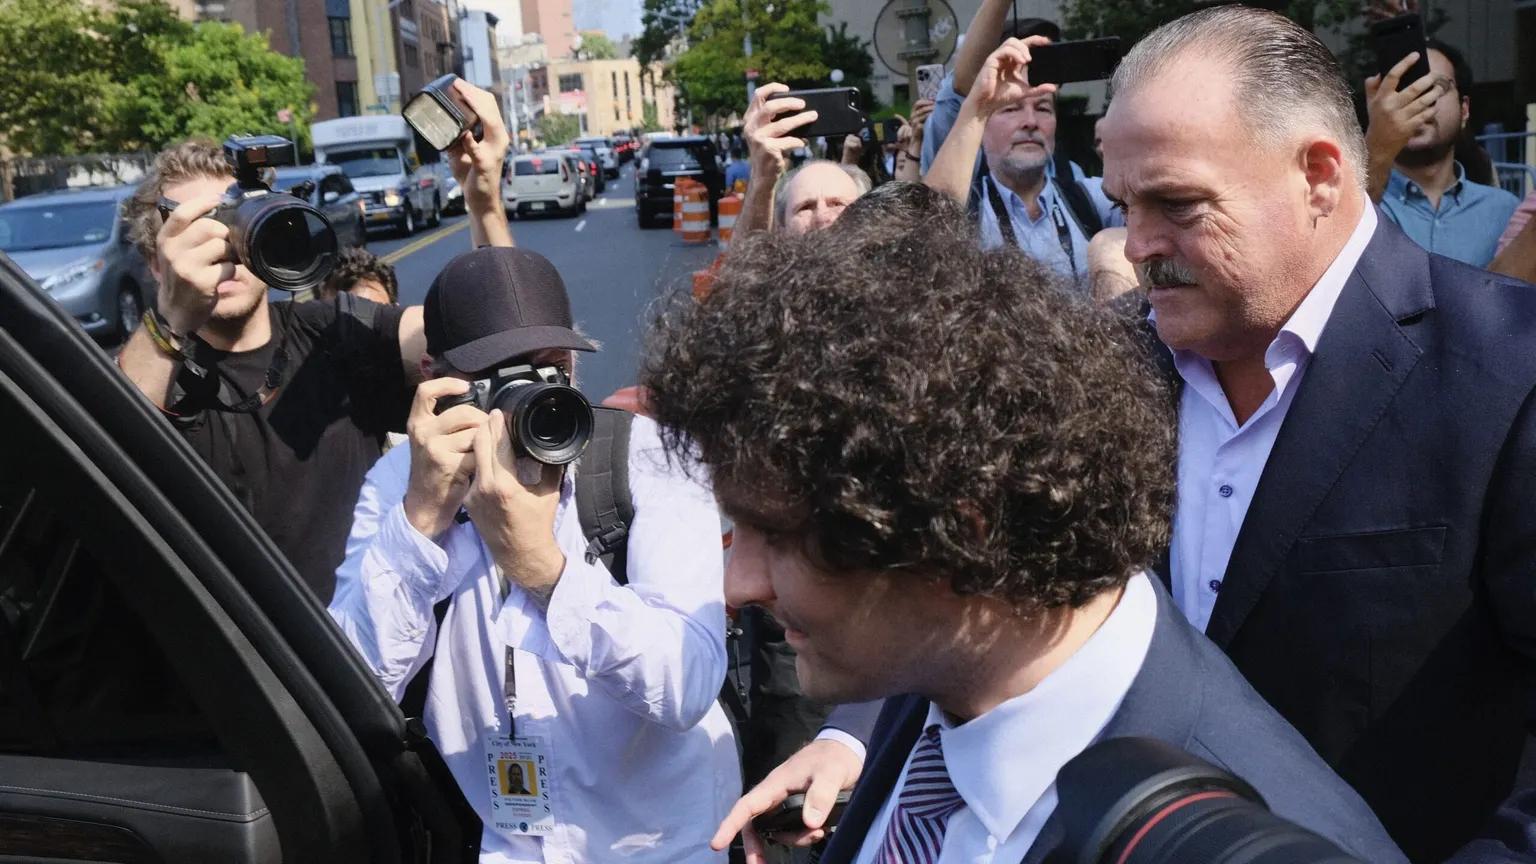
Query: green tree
point(787, 45)
point(839, 50)
point(597, 46)
point(662, 21)
point(559, 128)
point(55, 89)
point(650, 118)
point(81, 80)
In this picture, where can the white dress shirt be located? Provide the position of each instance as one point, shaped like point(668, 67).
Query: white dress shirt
point(1220, 462)
point(620, 682)
point(1004, 762)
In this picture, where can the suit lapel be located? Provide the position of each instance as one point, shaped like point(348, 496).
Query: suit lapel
point(1362, 359)
point(887, 756)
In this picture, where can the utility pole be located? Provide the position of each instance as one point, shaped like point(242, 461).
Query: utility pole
point(746, 48)
point(915, 17)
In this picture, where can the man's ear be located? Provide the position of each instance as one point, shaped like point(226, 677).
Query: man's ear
point(425, 367)
point(1322, 163)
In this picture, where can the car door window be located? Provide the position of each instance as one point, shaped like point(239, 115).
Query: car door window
point(79, 673)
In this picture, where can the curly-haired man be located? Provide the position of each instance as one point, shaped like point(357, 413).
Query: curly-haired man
point(363, 274)
point(947, 479)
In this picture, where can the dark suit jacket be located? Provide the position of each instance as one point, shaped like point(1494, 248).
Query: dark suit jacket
point(1382, 591)
point(1186, 694)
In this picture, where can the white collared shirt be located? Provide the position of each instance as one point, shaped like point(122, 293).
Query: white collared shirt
point(621, 682)
point(1004, 762)
point(1219, 462)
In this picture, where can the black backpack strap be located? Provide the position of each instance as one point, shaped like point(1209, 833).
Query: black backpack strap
point(603, 500)
point(1078, 202)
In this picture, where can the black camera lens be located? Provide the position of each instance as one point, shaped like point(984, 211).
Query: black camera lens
point(549, 422)
point(1141, 801)
point(285, 242)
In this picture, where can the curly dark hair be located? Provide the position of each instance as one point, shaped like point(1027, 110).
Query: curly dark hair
point(355, 263)
point(897, 398)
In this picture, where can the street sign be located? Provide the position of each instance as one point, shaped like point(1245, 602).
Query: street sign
point(751, 74)
point(379, 107)
point(284, 116)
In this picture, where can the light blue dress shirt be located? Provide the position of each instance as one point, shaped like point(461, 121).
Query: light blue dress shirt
point(1467, 224)
point(1038, 238)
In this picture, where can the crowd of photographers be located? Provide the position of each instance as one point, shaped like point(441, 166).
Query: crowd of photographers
point(1207, 479)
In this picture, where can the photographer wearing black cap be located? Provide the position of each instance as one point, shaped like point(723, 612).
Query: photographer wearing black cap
point(289, 403)
point(542, 654)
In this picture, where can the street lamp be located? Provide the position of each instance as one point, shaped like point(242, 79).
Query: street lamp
point(837, 76)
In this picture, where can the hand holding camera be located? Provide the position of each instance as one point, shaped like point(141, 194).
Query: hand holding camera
point(442, 454)
point(194, 257)
point(514, 512)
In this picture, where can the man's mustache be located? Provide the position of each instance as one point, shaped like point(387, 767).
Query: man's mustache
point(1166, 273)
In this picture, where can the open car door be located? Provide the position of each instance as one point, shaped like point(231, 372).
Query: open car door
point(170, 690)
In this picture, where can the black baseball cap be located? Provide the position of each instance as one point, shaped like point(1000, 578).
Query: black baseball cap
point(496, 303)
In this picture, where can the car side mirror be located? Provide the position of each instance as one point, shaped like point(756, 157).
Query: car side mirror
point(332, 197)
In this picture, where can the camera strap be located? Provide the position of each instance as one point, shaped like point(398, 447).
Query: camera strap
point(1005, 221)
point(271, 382)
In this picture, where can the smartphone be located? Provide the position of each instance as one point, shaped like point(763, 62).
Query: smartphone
point(1066, 62)
point(929, 79)
point(439, 115)
point(837, 110)
point(786, 817)
point(1396, 38)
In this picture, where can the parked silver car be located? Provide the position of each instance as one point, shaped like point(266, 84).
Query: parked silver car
point(74, 243)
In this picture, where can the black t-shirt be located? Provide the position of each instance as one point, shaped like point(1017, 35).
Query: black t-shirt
point(298, 462)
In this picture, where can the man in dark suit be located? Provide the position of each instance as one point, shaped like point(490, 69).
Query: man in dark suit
point(947, 479)
point(1356, 524)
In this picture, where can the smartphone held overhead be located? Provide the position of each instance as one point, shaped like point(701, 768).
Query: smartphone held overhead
point(1068, 62)
point(837, 112)
point(1396, 38)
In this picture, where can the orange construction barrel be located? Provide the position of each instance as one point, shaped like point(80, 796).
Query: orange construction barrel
point(696, 213)
point(730, 208)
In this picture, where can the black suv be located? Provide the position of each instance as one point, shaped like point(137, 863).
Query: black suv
point(170, 689)
point(661, 163)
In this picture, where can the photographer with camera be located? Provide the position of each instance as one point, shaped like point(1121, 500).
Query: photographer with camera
point(603, 679)
point(289, 403)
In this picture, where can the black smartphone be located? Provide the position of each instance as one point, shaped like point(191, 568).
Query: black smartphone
point(1396, 38)
point(1065, 62)
point(884, 131)
point(837, 112)
point(786, 817)
point(439, 115)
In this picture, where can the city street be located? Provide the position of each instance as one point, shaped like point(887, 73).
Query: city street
point(612, 269)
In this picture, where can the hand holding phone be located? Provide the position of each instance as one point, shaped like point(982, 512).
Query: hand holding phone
point(837, 111)
point(787, 816)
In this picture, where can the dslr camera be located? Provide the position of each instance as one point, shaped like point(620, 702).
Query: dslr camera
point(549, 420)
point(1143, 801)
point(284, 241)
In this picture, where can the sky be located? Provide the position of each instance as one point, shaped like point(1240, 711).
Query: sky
point(617, 18)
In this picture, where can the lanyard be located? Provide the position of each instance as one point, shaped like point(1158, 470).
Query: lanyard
point(1005, 222)
point(509, 693)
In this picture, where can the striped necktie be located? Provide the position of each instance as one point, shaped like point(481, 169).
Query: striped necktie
point(928, 798)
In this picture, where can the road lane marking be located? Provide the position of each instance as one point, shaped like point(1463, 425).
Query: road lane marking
point(423, 242)
point(580, 225)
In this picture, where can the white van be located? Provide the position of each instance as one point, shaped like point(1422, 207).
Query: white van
point(544, 183)
point(378, 154)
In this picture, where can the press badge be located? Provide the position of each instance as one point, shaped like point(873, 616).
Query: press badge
point(518, 771)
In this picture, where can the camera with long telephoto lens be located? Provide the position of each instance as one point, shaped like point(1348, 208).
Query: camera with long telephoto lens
point(1141, 801)
point(549, 420)
point(284, 241)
